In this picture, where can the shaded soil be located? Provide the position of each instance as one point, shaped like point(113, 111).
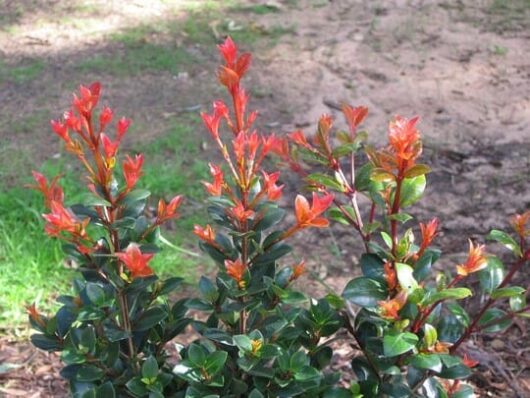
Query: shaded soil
point(463, 66)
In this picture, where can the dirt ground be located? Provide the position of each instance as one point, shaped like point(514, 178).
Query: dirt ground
point(462, 65)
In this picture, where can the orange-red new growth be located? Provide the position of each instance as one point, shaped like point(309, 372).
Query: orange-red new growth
point(206, 234)
point(235, 67)
point(389, 309)
point(404, 138)
point(236, 270)
point(298, 270)
point(105, 117)
point(476, 260)
point(215, 188)
point(298, 137)
point(136, 261)
point(63, 220)
point(132, 170)
point(168, 211)
point(470, 363)
point(61, 129)
point(354, 116)
point(428, 233)
point(519, 223)
point(109, 147)
point(309, 216)
point(35, 316)
point(88, 99)
point(390, 275)
point(212, 121)
point(274, 192)
point(240, 213)
point(52, 192)
point(121, 127)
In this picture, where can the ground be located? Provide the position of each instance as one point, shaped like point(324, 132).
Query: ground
point(462, 66)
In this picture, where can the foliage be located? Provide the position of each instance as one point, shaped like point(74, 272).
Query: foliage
point(404, 315)
point(258, 336)
point(111, 333)
point(257, 340)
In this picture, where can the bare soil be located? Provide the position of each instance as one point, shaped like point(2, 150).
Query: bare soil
point(462, 65)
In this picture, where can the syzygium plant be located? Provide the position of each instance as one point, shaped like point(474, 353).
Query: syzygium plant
point(406, 317)
point(112, 330)
point(261, 337)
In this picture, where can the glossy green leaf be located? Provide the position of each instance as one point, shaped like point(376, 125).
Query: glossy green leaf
point(215, 362)
point(411, 190)
point(427, 361)
point(395, 343)
point(506, 240)
point(150, 367)
point(406, 278)
point(494, 317)
point(491, 276)
point(507, 292)
point(454, 293)
point(365, 292)
point(150, 318)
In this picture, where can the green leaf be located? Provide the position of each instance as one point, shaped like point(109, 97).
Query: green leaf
point(150, 368)
point(506, 240)
point(372, 266)
point(417, 170)
point(459, 313)
point(427, 361)
point(395, 343)
point(365, 292)
point(381, 175)
point(465, 391)
point(507, 292)
point(170, 284)
point(400, 217)
point(95, 293)
point(491, 276)
point(430, 335)
point(215, 362)
point(197, 355)
point(106, 390)
point(46, 343)
point(243, 342)
point(89, 373)
point(327, 181)
point(151, 317)
point(135, 196)
point(411, 190)
point(405, 277)
point(94, 200)
point(494, 317)
point(362, 177)
point(208, 289)
point(454, 293)
point(517, 303)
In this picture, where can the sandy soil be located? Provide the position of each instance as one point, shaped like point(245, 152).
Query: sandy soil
point(462, 65)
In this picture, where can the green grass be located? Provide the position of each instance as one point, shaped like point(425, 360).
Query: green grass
point(27, 71)
point(260, 9)
point(135, 59)
point(33, 266)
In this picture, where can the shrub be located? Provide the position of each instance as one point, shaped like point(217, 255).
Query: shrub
point(111, 333)
point(405, 315)
point(258, 335)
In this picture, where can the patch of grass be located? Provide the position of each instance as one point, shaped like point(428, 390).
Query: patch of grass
point(260, 9)
point(25, 72)
point(141, 58)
